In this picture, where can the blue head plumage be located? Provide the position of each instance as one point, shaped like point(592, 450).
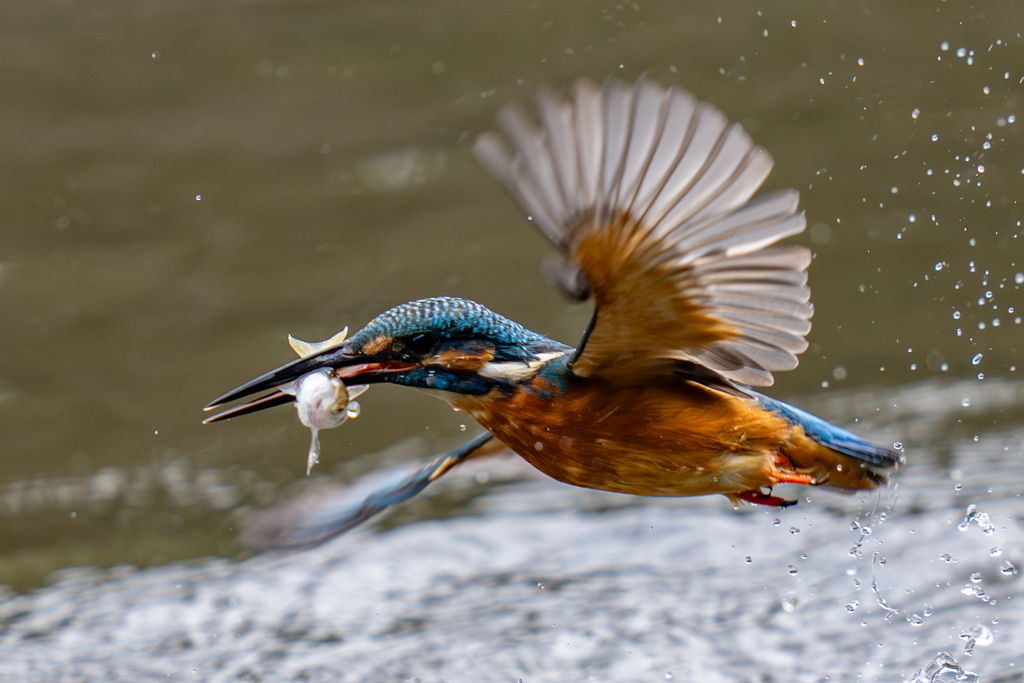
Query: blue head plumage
point(449, 319)
point(455, 341)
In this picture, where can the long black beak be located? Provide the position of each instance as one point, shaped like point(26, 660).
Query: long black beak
point(349, 366)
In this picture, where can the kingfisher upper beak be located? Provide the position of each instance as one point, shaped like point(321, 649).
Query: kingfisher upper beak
point(350, 366)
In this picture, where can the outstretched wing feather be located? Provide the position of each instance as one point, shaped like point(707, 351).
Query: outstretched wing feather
point(648, 192)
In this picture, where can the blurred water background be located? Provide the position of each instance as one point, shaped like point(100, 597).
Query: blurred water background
point(183, 184)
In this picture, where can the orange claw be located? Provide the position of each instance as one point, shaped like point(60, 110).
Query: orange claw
point(785, 473)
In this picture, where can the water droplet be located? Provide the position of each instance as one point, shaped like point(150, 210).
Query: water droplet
point(976, 359)
point(996, 551)
point(792, 570)
point(154, 54)
point(668, 675)
point(914, 114)
point(865, 531)
point(956, 315)
point(789, 602)
point(965, 402)
point(957, 487)
point(793, 530)
point(915, 620)
point(946, 557)
point(897, 445)
point(944, 46)
point(198, 197)
point(982, 635)
point(462, 428)
point(976, 591)
point(776, 522)
point(976, 577)
point(961, 52)
point(928, 610)
point(852, 607)
point(969, 513)
point(1007, 568)
point(353, 408)
point(540, 585)
point(854, 525)
point(894, 189)
point(935, 137)
point(748, 559)
point(1019, 278)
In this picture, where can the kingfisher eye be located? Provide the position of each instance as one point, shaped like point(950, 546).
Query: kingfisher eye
point(420, 343)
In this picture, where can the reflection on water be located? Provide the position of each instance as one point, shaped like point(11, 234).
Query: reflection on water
point(184, 184)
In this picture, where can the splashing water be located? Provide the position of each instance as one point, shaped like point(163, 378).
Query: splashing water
point(982, 519)
point(944, 668)
point(979, 635)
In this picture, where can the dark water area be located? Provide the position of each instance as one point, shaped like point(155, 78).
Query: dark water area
point(186, 183)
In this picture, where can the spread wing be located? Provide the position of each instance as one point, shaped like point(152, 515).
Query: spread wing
point(647, 193)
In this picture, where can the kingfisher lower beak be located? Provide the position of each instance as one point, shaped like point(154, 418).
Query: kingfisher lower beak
point(349, 366)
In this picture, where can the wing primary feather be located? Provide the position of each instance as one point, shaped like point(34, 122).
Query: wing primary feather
point(589, 128)
point(618, 109)
point(556, 118)
point(498, 158)
point(647, 121)
point(675, 131)
point(536, 162)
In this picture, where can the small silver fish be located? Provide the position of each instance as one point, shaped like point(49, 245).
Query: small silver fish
point(321, 399)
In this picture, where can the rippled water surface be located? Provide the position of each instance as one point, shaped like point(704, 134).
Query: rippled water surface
point(186, 183)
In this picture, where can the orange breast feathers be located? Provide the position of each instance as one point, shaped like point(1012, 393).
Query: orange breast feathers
point(664, 438)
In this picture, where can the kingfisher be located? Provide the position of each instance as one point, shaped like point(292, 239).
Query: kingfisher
point(647, 194)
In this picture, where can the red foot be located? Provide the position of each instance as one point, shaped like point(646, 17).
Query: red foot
point(758, 498)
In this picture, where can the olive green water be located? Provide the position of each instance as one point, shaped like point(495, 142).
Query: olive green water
point(183, 184)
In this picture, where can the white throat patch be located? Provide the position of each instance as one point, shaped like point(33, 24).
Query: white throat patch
point(515, 371)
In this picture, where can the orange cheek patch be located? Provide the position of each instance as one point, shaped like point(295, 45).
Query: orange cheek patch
point(455, 359)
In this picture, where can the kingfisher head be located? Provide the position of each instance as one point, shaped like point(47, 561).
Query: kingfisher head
point(444, 343)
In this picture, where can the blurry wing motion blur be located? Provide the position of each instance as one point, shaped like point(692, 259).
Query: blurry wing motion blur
point(646, 192)
point(331, 510)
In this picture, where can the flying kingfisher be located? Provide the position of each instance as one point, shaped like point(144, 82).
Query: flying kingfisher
point(646, 192)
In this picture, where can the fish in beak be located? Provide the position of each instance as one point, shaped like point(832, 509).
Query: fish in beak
point(322, 383)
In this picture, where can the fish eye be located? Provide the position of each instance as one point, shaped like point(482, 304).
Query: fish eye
point(420, 343)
